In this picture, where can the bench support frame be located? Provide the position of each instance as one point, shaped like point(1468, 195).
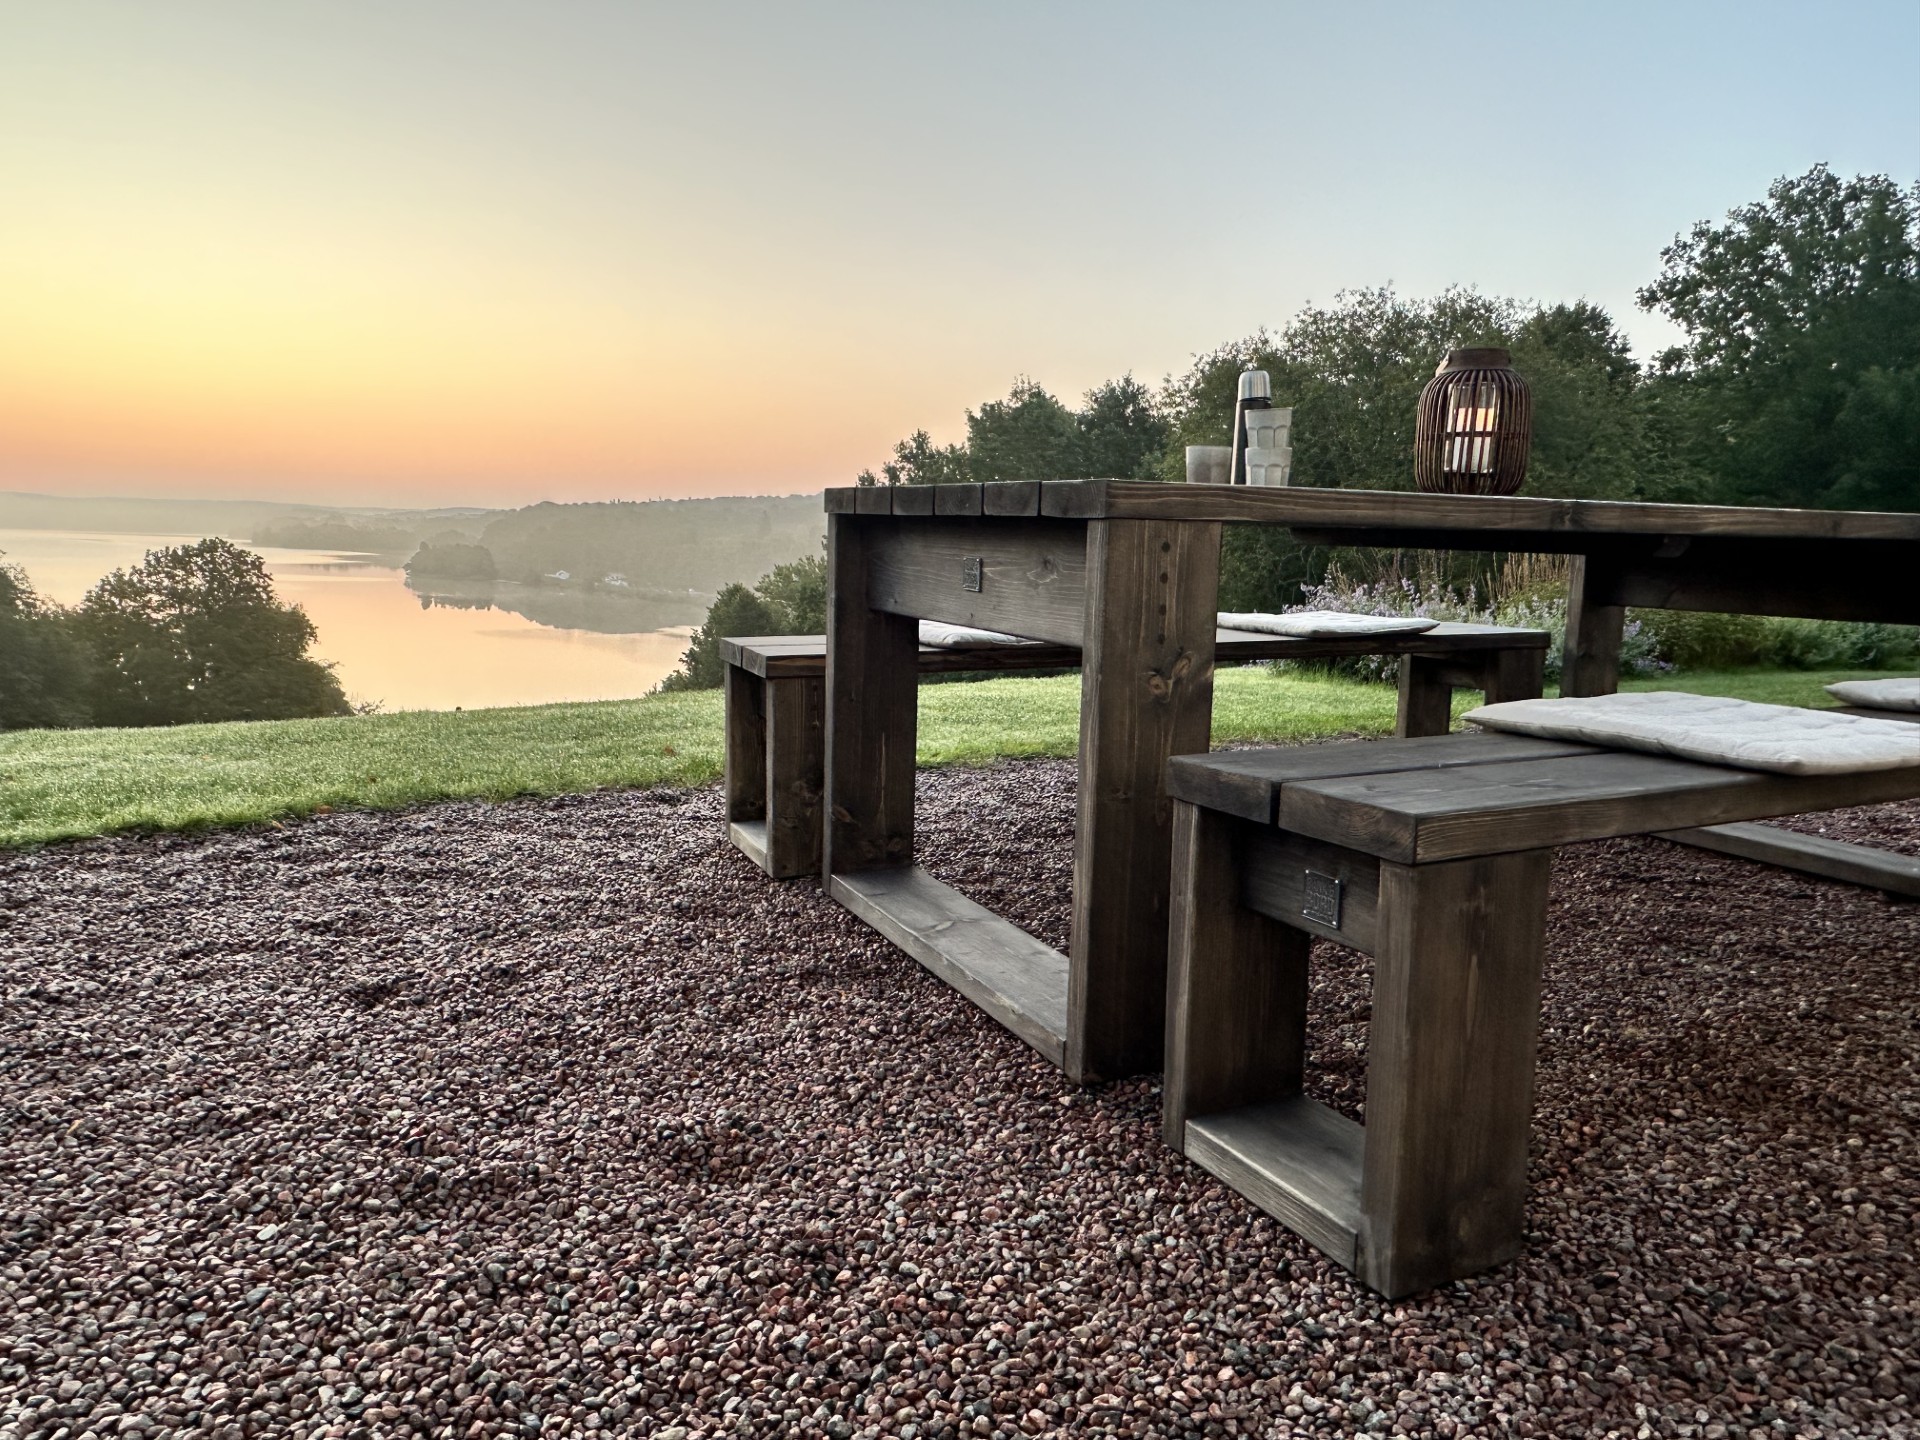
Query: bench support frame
point(1433, 1187)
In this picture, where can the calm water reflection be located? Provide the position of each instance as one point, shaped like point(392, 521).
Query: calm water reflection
point(407, 651)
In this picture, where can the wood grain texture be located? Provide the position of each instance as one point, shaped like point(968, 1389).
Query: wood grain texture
point(1810, 854)
point(1010, 497)
point(796, 746)
point(749, 837)
point(873, 500)
point(1273, 867)
point(840, 499)
point(998, 966)
point(956, 499)
point(1590, 663)
point(872, 711)
point(1512, 673)
point(1418, 817)
point(1236, 983)
point(1248, 783)
point(913, 499)
point(1146, 694)
point(746, 745)
point(1450, 1066)
point(1426, 698)
point(1450, 520)
point(1297, 1160)
point(1033, 575)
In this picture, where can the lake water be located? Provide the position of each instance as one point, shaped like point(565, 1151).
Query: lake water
point(413, 652)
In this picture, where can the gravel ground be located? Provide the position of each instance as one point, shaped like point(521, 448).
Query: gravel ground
point(557, 1116)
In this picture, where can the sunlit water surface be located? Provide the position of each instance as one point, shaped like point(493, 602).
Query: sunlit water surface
point(387, 646)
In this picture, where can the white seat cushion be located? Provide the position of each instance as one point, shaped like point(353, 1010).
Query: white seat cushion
point(1744, 733)
point(1323, 624)
point(965, 637)
point(1878, 694)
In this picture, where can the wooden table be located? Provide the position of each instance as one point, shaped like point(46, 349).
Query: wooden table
point(1129, 573)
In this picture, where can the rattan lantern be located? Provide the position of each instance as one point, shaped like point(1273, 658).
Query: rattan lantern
point(1475, 424)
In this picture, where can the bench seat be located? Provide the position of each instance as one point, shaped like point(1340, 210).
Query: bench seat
point(776, 708)
point(1432, 856)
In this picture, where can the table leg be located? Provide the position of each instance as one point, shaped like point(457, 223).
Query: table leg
point(1590, 660)
point(1236, 984)
point(1146, 693)
point(1456, 1010)
point(872, 699)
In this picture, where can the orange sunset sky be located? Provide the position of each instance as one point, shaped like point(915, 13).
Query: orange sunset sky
point(486, 253)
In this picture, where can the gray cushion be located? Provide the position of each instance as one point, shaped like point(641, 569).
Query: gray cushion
point(1878, 694)
point(1719, 731)
point(1323, 624)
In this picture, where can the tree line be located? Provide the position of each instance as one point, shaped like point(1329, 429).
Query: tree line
point(192, 633)
point(1796, 383)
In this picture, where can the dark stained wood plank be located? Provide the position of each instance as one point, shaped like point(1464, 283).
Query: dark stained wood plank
point(1461, 653)
point(1426, 698)
point(1010, 497)
point(1296, 1159)
point(796, 746)
point(1073, 499)
point(1146, 694)
point(1512, 673)
point(956, 500)
point(1033, 576)
point(1400, 512)
point(994, 963)
point(873, 500)
point(1590, 663)
point(1810, 854)
point(913, 499)
point(746, 745)
point(1417, 817)
point(1273, 866)
point(1236, 982)
point(1450, 1067)
point(872, 710)
point(1247, 783)
point(840, 500)
point(749, 837)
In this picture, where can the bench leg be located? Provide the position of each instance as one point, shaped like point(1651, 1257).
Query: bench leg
point(746, 745)
point(1236, 984)
point(872, 716)
point(1456, 1005)
point(1514, 675)
point(1426, 696)
point(795, 775)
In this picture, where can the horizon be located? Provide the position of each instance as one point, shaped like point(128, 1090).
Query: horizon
point(462, 255)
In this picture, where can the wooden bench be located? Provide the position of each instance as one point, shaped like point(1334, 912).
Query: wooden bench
point(776, 709)
point(1431, 855)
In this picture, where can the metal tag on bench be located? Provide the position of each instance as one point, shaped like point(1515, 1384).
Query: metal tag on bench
point(970, 573)
point(1322, 900)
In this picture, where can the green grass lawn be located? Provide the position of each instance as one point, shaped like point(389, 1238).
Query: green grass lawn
point(61, 784)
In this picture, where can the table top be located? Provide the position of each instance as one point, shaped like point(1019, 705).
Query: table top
point(1376, 516)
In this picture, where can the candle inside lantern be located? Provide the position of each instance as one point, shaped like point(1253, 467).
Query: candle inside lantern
point(1473, 412)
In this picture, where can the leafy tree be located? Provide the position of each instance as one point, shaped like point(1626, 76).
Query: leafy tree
point(452, 560)
point(1121, 431)
point(43, 670)
point(918, 461)
point(797, 594)
point(1799, 377)
point(1028, 436)
point(195, 632)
